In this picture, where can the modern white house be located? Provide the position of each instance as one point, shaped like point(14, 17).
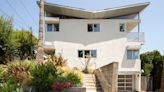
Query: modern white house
point(109, 35)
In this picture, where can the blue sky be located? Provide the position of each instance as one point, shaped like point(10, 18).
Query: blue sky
point(152, 17)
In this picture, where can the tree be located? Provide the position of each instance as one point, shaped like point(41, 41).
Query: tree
point(6, 44)
point(40, 52)
point(25, 43)
point(151, 63)
point(162, 79)
point(19, 43)
point(146, 63)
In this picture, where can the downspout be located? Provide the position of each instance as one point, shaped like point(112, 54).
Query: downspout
point(139, 26)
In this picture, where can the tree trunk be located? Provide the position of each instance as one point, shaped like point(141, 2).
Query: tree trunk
point(40, 53)
point(162, 80)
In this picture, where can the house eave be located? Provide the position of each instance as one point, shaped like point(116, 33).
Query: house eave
point(105, 13)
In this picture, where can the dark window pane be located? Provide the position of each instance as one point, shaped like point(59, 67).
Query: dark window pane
point(87, 53)
point(93, 53)
point(122, 27)
point(120, 84)
point(80, 53)
point(132, 54)
point(129, 54)
point(90, 27)
point(128, 76)
point(96, 27)
point(49, 27)
point(56, 27)
point(135, 54)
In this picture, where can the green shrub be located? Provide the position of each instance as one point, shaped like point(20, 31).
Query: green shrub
point(15, 75)
point(9, 85)
point(74, 78)
point(20, 71)
point(43, 76)
point(61, 78)
point(2, 72)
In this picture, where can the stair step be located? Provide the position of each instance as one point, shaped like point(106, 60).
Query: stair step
point(91, 83)
point(89, 75)
point(93, 89)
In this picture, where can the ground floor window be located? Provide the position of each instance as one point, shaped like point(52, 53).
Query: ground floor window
point(87, 53)
point(132, 54)
point(125, 83)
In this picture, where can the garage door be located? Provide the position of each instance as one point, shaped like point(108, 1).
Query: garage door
point(125, 83)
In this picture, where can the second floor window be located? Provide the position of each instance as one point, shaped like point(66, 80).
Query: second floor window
point(132, 54)
point(122, 27)
point(93, 27)
point(87, 53)
point(52, 27)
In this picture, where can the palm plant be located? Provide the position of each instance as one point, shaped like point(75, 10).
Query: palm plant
point(40, 52)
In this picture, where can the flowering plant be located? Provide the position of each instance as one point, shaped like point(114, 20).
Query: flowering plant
point(61, 85)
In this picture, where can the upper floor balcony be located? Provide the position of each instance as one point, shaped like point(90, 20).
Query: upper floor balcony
point(136, 37)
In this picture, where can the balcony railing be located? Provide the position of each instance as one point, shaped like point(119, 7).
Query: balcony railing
point(136, 37)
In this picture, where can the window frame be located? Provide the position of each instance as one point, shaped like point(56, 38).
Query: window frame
point(125, 27)
point(47, 28)
point(53, 27)
point(93, 27)
point(132, 55)
point(90, 53)
point(79, 54)
point(125, 82)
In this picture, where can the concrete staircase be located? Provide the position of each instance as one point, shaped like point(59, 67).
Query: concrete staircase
point(91, 83)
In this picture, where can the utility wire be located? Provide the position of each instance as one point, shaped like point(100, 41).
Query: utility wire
point(3, 12)
point(33, 19)
point(16, 12)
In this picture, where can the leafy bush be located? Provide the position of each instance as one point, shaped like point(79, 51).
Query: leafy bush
point(74, 78)
point(20, 71)
point(61, 85)
point(57, 60)
point(15, 75)
point(66, 79)
point(43, 76)
point(9, 86)
point(2, 72)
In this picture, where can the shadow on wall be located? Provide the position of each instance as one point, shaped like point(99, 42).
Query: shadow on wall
point(90, 38)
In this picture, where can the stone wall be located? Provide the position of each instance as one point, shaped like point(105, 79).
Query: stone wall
point(108, 76)
point(73, 89)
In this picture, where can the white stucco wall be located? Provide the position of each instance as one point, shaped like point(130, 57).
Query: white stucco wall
point(110, 43)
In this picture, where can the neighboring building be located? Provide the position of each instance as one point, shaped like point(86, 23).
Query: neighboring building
point(105, 35)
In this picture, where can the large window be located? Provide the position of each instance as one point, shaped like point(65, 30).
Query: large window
point(132, 54)
point(122, 27)
point(87, 53)
point(52, 27)
point(93, 27)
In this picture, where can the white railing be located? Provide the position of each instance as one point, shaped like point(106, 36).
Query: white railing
point(136, 37)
